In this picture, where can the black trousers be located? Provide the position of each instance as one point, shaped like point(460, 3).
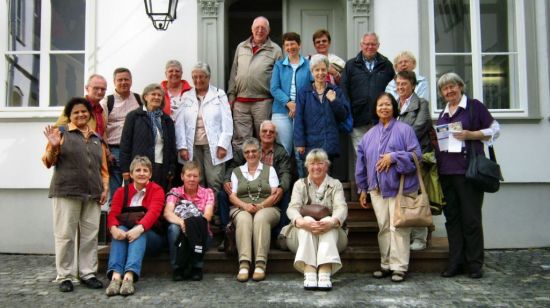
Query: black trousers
point(463, 222)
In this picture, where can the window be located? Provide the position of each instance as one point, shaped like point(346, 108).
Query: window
point(44, 58)
point(481, 41)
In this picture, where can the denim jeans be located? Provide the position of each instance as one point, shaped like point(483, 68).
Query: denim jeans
point(115, 173)
point(223, 207)
point(173, 234)
point(127, 257)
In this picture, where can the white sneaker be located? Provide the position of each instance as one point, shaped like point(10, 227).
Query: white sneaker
point(418, 245)
point(324, 283)
point(310, 281)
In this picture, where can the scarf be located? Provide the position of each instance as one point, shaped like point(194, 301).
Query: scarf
point(97, 111)
point(154, 116)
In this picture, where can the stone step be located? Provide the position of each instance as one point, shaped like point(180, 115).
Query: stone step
point(361, 259)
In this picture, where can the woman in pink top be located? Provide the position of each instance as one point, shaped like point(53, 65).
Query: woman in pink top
point(179, 209)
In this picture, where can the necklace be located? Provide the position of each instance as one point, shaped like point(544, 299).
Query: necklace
point(257, 197)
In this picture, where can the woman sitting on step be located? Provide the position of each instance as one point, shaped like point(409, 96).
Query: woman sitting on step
point(317, 243)
point(253, 210)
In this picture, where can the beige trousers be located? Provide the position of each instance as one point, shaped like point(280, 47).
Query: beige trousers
point(394, 242)
point(70, 215)
point(247, 118)
point(317, 250)
point(254, 230)
point(211, 176)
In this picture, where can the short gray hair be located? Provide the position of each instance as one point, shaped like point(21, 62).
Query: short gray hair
point(266, 122)
point(175, 63)
point(317, 155)
point(94, 76)
point(203, 67)
point(141, 160)
point(404, 54)
point(150, 88)
point(250, 141)
point(450, 78)
point(316, 59)
point(372, 34)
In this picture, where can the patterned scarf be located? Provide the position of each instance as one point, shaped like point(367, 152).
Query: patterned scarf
point(154, 116)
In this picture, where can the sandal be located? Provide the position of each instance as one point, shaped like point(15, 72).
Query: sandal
point(398, 276)
point(381, 273)
point(243, 274)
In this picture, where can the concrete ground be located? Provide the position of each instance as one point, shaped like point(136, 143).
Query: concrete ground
point(513, 278)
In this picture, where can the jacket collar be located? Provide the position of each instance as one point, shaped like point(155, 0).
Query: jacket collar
point(267, 45)
point(287, 62)
point(414, 103)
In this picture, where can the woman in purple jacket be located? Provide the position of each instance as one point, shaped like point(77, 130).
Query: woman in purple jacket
point(384, 154)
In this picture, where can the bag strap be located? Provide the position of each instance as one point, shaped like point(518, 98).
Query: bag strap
point(125, 202)
point(306, 182)
point(420, 181)
point(492, 155)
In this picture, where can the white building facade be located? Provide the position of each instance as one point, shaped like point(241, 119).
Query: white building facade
point(500, 48)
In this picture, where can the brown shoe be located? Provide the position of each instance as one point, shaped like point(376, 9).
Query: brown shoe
point(259, 274)
point(113, 288)
point(243, 275)
point(127, 288)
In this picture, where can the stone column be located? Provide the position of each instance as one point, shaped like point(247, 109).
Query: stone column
point(359, 23)
point(211, 38)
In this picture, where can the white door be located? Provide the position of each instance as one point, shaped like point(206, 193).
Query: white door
point(307, 16)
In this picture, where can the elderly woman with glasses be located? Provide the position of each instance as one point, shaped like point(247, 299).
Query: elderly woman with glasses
point(253, 210)
point(204, 128)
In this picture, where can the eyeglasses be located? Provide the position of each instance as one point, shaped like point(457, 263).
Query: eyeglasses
point(268, 131)
point(321, 41)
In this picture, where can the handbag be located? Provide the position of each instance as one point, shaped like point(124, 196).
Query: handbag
point(482, 172)
point(430, 176)
point(230, 241)
point(412, 211)
point(315, 211)
point(130, 215)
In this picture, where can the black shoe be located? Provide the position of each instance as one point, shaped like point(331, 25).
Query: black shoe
point(476, 274)
point(196, 274)
point(66, 286)
point(92, 283)
point(451, 272)
point(177, 275)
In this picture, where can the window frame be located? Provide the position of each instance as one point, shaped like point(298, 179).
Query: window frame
point(44, 110)
point(519, 27)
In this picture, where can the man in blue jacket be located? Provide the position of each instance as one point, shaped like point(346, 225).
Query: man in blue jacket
point(363, 79)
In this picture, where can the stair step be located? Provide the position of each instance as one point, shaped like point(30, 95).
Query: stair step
point(360, 259)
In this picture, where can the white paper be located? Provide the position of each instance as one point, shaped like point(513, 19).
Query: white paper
point(447, 142)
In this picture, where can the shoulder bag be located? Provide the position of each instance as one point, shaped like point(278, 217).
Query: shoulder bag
point(412, 211)
point(315, 211)
point(482, 172)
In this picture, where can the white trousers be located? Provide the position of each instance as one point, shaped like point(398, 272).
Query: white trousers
point(394, 242)
point(70, 215)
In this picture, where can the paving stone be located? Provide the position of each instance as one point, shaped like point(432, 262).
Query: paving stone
point(513, 278)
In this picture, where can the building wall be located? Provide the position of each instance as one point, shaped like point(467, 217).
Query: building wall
point(514, 217)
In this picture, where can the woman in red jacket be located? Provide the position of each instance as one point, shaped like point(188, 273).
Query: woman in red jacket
point(130, 243)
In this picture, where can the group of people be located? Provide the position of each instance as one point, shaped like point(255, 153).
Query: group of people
point(260, 156)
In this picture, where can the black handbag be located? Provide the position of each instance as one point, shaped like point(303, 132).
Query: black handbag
point(482, 172)
point(230, 241)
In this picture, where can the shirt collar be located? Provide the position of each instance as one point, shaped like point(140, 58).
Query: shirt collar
point(260, 166)
point(463, 103)
point(405, 105)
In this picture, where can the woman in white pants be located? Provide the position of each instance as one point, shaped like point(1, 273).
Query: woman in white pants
point(317, 244)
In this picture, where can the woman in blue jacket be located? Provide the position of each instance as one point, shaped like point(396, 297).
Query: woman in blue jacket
point(289, 76)
point(320, 107)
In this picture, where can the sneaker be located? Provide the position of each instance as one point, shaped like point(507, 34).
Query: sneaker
point(310, 281)
point(324, 283)
point(127, 287)
point(66, 286)
point(398, 276)
point(418, 245)
point(113, 288)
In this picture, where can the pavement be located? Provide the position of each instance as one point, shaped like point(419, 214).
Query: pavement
point(513, 278)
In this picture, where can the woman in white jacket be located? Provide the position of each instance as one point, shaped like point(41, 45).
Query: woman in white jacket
point(204, 127)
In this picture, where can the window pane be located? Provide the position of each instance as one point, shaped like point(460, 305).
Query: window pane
point(500, 82)
point(24, 25)
point(452, 26)
point(497, 31)
point(66, 78)
point(68, 24)
point(22, 80)
point(462, 65)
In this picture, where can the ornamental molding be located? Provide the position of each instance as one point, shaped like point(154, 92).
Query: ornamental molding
point(361, 6)
point(209, 8)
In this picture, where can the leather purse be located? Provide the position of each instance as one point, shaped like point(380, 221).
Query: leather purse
point(315, 211)
point(412, 211)
point(130, 215)
point(230, 241)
